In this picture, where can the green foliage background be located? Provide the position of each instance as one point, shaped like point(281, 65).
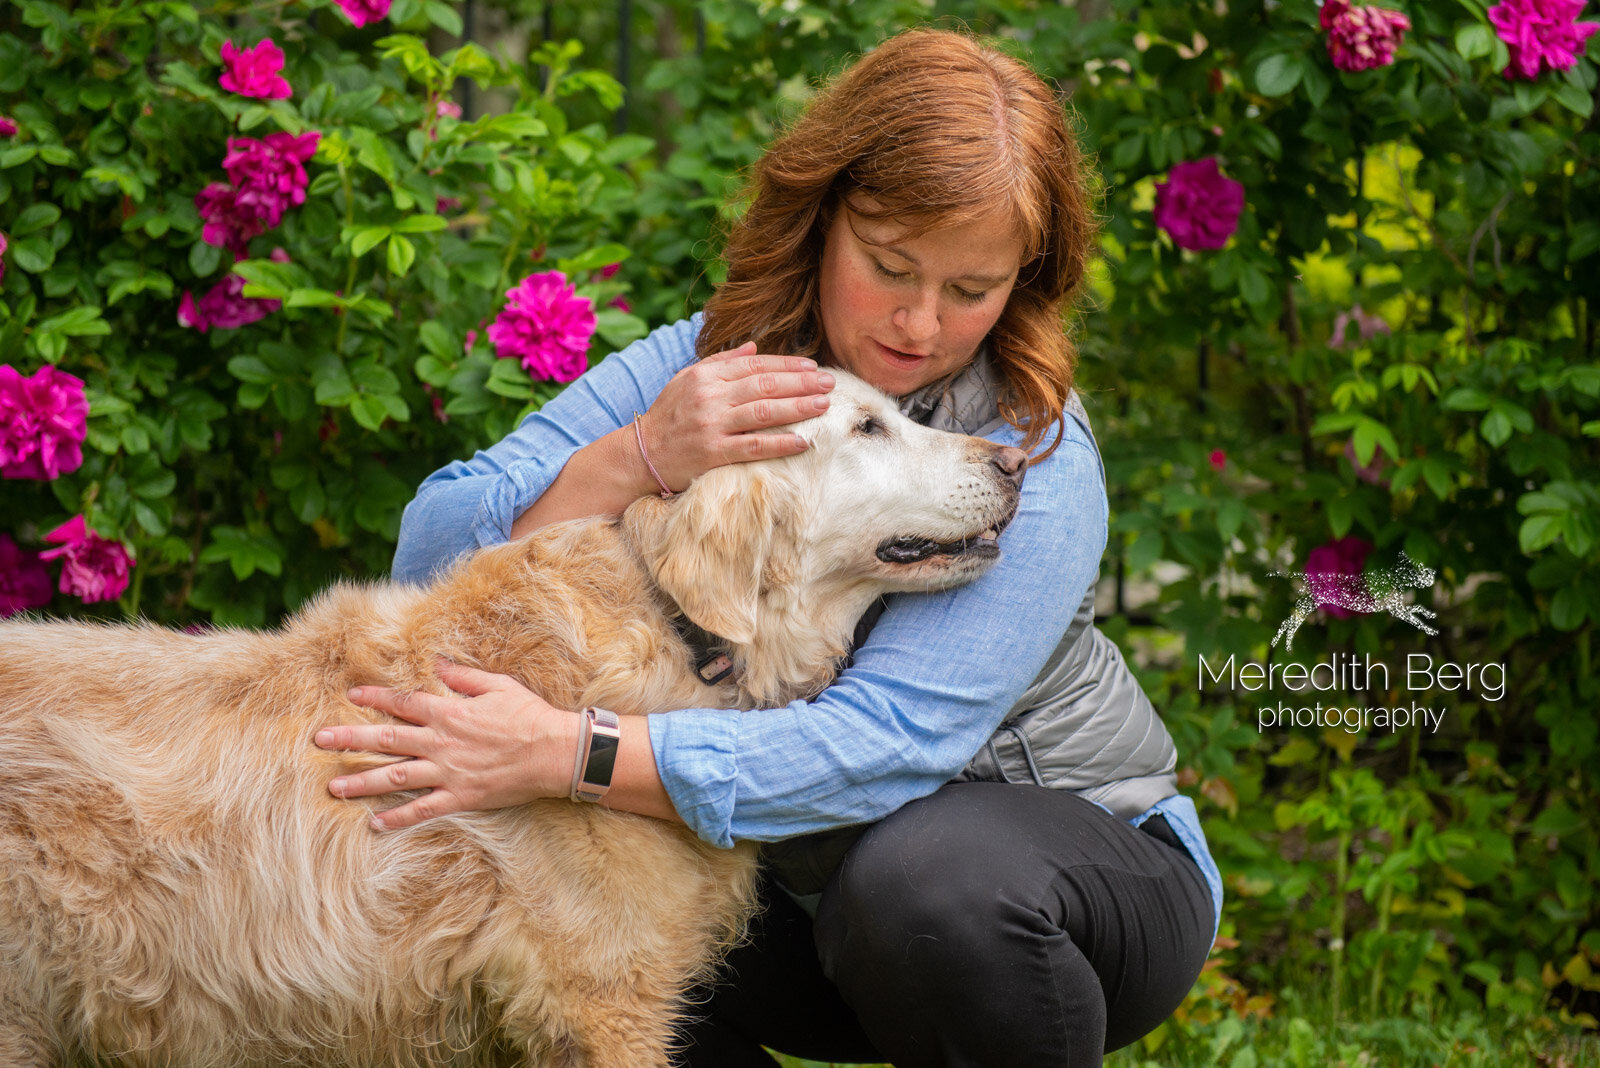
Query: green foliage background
point(1447, 883)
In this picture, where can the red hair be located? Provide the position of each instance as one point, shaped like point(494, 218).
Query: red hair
point(930, 129)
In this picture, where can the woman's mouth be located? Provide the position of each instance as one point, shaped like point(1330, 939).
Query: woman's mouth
point(898, 358)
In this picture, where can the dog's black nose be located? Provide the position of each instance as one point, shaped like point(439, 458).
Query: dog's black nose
point(1013, 463)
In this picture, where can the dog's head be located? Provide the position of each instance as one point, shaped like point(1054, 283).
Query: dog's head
point(766, 551)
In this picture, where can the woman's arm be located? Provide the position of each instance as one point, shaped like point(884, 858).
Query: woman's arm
point(579, 454)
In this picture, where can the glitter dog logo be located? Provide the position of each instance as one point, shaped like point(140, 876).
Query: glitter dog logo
point(1345, 590)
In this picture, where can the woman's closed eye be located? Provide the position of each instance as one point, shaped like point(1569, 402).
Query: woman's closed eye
point(966, 296)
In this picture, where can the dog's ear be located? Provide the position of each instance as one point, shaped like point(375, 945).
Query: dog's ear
point(707, 547)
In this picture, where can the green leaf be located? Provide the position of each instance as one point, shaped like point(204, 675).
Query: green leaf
point(1467, 399)
point(1474, 40)
point(618, 328)
point(420, 224)
point(1539, 531)
point(1568, 608)
point(508, 379)
point(362, 239)
point(1278, 74)
point(35, 217)
point(369, 410)
point(624, 147)
point(443, 16)
point(251, 369)
point(1496, 427)
point(1574, 98)
point(402, 254)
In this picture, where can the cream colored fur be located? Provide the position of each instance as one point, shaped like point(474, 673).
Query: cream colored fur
point(177, 887)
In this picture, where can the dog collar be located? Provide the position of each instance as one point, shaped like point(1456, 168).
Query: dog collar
point(708, 651)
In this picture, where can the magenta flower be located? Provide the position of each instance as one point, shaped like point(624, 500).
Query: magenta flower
point(1371, 474)
point(1198, 206)
point(1218, 460)
point(546, 325)
point(1361, 38)
point(1541, 34)
point(361, 12)
point(8, 126)
point(254, 71)
point(93, 568)
point(24, 580)
point(270, 174)
point(224, 307)
point(1367, 326)
point(43, 421)
point(610, 271)
point(446, 109)
point(228, 224)
point(1332, 568)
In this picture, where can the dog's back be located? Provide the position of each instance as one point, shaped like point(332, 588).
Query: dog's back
point(176, 880)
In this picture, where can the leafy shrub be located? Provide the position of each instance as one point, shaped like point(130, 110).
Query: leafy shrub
point(247, 467)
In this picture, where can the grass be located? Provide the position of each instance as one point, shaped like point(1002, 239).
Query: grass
point(1297, 1034)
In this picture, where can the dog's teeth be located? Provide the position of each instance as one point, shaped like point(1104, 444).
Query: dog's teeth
point(989, 535)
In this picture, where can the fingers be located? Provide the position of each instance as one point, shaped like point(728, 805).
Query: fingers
point(390, 738)
point(401, 775)
point(468, 681)
point(414, 706)
point(428, 806)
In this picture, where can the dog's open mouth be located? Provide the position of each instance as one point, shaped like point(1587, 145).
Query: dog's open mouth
point(909, 549)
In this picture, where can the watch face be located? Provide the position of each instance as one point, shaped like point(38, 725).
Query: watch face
point(602, 760)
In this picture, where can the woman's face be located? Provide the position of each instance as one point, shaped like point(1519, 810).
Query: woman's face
point(901, 312)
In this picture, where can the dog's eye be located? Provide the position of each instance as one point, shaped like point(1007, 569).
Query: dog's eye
point(870, 426)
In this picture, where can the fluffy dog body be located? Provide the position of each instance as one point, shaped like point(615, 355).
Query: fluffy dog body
point(177, 887)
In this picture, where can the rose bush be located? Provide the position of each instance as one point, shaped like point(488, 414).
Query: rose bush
point(258, 252)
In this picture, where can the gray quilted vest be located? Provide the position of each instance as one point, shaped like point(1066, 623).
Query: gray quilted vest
point(1084, 724)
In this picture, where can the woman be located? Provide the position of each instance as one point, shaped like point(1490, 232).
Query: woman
point(981, 813)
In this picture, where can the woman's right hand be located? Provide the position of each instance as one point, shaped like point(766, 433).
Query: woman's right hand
point(713, 412)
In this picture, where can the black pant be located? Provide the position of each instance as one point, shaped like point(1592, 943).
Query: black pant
point(987, 924)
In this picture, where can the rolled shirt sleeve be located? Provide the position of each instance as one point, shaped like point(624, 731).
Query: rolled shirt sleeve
point(470, 504)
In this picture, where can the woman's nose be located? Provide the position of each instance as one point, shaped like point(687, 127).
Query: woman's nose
point(918, 319)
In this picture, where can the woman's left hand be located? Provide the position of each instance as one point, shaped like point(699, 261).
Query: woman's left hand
point(492, 743)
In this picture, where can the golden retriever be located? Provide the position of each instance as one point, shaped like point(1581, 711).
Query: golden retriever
point(177, 887)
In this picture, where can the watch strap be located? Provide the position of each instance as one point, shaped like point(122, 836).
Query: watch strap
point(597, 754)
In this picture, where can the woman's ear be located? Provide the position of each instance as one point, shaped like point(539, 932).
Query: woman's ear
point(706, 547)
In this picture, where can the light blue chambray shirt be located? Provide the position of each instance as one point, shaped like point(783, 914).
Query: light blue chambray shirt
point(927, 689)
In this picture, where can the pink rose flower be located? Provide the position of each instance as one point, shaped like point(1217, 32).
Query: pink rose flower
point(1218, 459)
point(1198, 206)
point(24, 580)
point(93, 568)
point(445, 205)
point(1541, 34)
point(224, 307)
point(228, 224)
point(546, 325)
point(361, 12)
point(254, 71)
point(270, 174)
point(43, 421)
point(1330, 567)
point(446, 109)
point(1361, 38)
point(1371, 474)
point(1367, 326)
point(8, 126)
